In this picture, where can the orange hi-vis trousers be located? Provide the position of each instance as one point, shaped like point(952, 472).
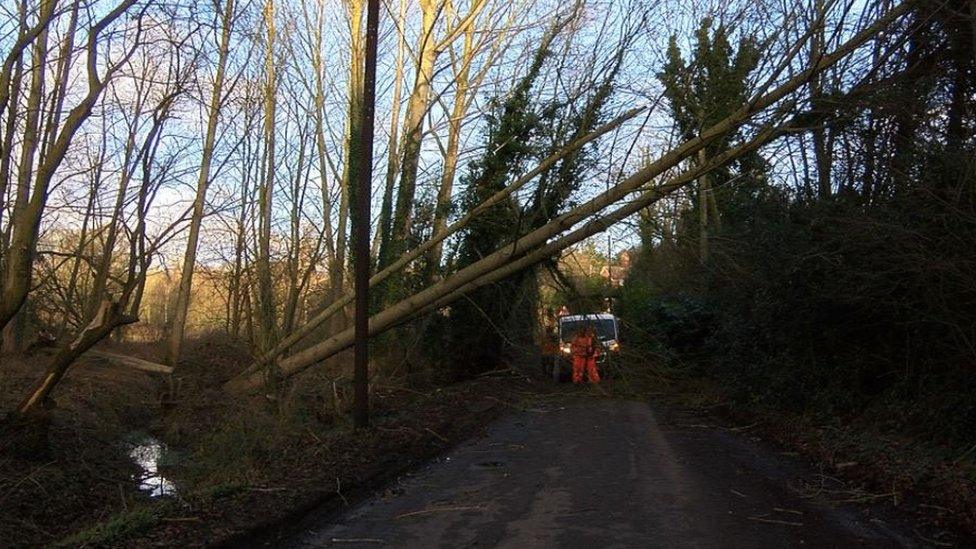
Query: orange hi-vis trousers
point(583, 362)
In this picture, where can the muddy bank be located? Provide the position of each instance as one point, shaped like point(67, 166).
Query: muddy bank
point(133, 459)
point(73, 468)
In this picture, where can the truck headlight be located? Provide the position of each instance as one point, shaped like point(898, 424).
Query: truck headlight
point(566, 348)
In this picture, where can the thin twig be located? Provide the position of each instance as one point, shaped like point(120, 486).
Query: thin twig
point(520, 409)
point(937, 543)
point(864, 499)
point(963, 456)
point(439, 509)
point(775, 521)
point(339, 492)
point(431, 431)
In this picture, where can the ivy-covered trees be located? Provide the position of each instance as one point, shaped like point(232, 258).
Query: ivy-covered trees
point(702, 91)
point(497, 322)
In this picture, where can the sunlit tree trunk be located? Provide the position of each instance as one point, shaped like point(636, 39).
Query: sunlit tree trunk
point(354, 117)
point(393, 154)
point(178, 325)
point(11, 81)
point(265, 290)
point(13, 331)
point(458, 112)
point(335, 269)
point(413, 125)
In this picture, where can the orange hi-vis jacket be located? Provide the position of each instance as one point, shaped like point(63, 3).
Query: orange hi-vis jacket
point(583, 346)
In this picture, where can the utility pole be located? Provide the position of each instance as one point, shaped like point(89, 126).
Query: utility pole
point(361, 235)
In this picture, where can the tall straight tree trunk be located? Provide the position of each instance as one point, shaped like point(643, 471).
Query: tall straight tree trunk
point(355, 100)
point(265, 290)
point(704, 192)
point(413, 125)
point(821, 141)
point(296, 280)
point(703, 219)
point(393, 156)
point(7, 143)
point(444, 192)
point(178, 326)
point(335, 268)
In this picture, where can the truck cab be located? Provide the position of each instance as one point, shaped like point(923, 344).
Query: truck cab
point(607, 332)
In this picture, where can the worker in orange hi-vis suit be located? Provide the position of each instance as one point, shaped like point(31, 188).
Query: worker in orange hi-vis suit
point(585, 349)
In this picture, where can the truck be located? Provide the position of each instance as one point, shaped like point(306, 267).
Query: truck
point(559, 360)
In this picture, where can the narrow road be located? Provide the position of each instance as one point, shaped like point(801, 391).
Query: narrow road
point(603, 473)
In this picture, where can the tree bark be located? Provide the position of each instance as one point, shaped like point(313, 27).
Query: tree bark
point(413, 125)
point(384, 226)
point(13, 330)
point(821, 141)
point(703, 191)
point(108, 317)
point(445, 191)
point(178, 326)
point(265, 291)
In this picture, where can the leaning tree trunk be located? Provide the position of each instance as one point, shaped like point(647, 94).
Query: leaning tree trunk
point(178, 325)
point(413, 125)
point(443, 208)
point(418, 252)
point(108, 318)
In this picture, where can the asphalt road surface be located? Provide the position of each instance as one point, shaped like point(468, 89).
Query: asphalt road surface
point(587, 472)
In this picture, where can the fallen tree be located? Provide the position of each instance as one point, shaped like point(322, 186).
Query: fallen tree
point(337, 305)
point(130, 362)
point(603, 222)
point(433, 294)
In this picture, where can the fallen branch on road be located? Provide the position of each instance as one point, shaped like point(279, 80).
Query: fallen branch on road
point(441, 509)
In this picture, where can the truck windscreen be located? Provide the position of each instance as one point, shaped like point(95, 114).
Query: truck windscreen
point(604, 328)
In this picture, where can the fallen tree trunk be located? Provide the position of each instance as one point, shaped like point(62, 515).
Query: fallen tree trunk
point(603, 222)
point(439, 237)
point(108, 318)
point(131, 362)
point(407, 307)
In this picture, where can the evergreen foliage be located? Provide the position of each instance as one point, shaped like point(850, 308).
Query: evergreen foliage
point(857, 304)
point(498, 322)
point(706, 89)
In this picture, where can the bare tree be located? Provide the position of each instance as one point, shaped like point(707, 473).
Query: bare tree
point(178, 325)
point(30, 204)
point(267, 319)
